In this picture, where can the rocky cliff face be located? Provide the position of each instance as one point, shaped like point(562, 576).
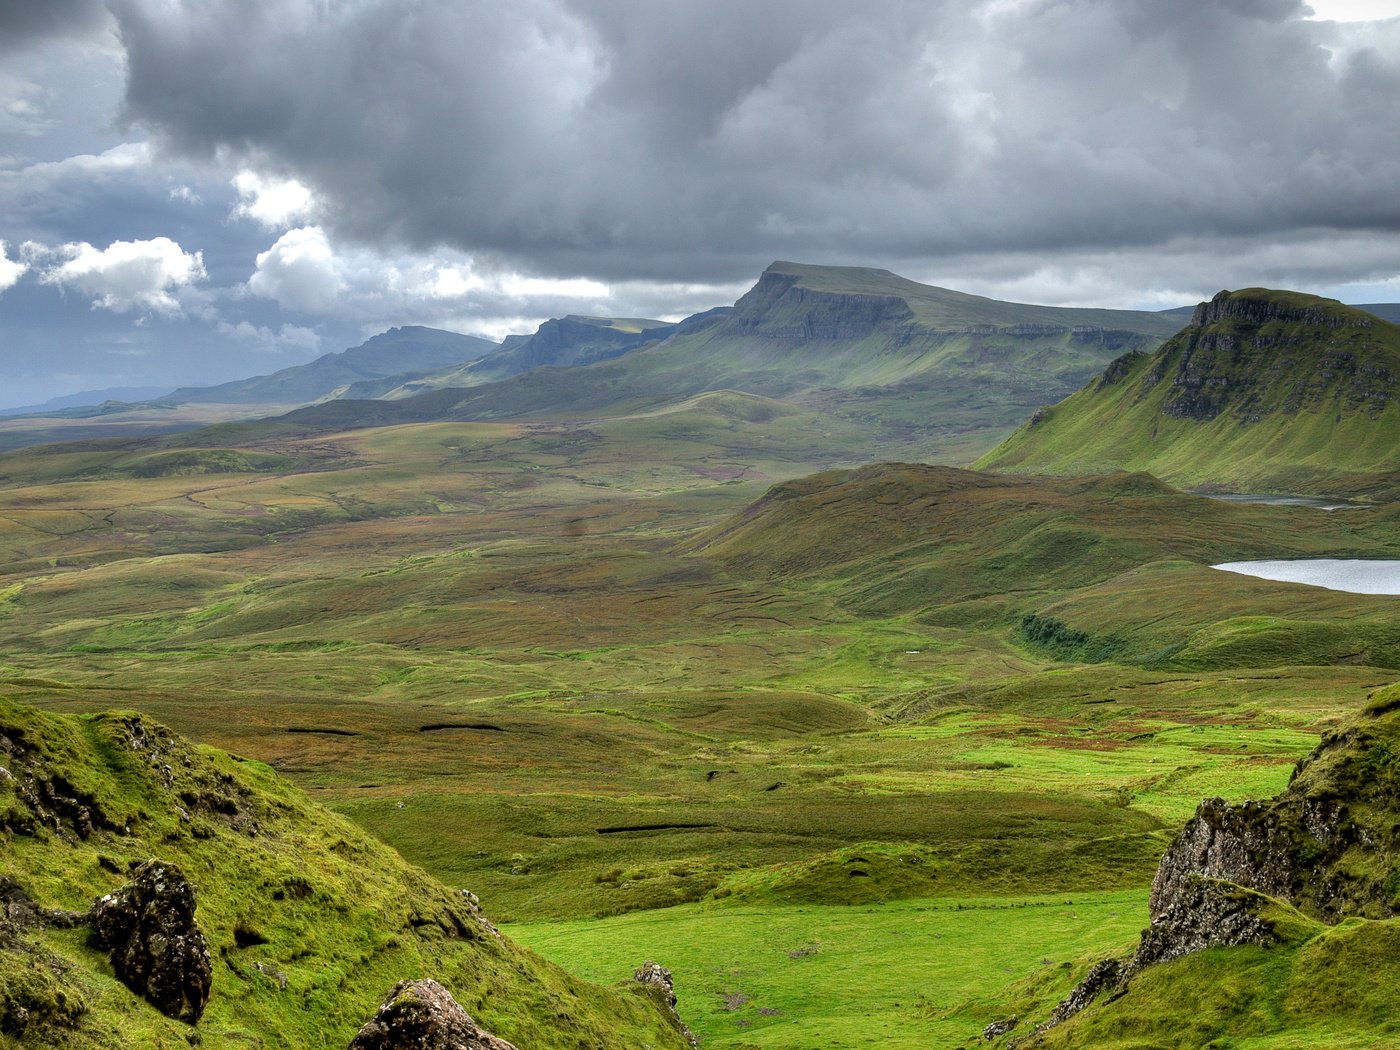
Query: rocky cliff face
point(1256, 352)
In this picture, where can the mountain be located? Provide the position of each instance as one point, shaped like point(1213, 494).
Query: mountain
point(917, 366)
point(86, 398)
point(564, 342)
point(259, 917)
point(1264, 391)
point(397, 352)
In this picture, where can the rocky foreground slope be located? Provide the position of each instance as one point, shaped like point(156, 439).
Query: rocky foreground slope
point(1262, 391)
point(1274, 921)
point(159, 894)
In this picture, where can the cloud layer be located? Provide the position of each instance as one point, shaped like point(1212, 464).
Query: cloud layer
point(698, 138)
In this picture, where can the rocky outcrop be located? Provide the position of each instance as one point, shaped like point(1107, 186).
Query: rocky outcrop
point(156, 948)
point(1264, 307)
point(48, 799)
point(661, 986)
point(422, 1015)
point(1202, 913)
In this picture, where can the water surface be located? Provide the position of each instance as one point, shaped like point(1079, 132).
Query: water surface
point(1285, 501)
point(1355, 575)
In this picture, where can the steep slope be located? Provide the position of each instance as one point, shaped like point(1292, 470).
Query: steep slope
point(913, 364)
point(564, 342)
point(397, 352)
point(1263, 391)
point(1278, 916)
point(309, 921)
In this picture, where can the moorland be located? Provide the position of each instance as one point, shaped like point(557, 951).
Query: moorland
point(650, 654)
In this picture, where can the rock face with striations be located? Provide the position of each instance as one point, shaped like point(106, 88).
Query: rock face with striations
point(659, 984)
point(422, 1015)
point(157, 950)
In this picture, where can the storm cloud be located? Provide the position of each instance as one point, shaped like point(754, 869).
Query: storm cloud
point(697, 140)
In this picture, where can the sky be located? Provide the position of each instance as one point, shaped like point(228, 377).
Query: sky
point(199, 190)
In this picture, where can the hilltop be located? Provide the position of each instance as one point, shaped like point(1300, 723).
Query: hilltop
point(1263, 390)
point(309, 920)
point(564, 342)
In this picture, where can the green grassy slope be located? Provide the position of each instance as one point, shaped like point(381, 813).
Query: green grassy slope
point(279, 882)
point(1264, 391)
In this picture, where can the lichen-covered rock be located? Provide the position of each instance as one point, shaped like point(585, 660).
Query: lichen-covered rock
point(659, 983)
point(1203, 913)
point(157, 950)
point(422, 1015)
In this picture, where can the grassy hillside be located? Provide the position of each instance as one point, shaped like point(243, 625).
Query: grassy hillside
point(280, 884)
point(617, 674)
point(1264, 391)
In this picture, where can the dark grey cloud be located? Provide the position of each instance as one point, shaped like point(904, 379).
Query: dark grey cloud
point(693, 139)
point(25, 22)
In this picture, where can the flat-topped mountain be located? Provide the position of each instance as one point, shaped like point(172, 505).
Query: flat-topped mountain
point(398, 352)
point(903, 360)
point(1263, 390)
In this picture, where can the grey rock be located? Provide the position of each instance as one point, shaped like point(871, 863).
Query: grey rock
point(661, 986)
point(422, 1015)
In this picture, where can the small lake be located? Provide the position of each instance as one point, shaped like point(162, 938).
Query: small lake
point(1356, 575)
point(1286, 501)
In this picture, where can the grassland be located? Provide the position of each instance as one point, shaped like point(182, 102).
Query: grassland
point(562, 665)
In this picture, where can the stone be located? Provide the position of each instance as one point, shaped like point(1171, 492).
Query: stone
point(157, 950)
point(422, 1015)
point(661, 986)
point(997, 1029)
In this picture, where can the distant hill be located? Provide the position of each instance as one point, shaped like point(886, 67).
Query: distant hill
point(1263, 391)
point(912, 363)
point(564, 342)
point(398, 352)
point(1385, 311)
point(85, 398)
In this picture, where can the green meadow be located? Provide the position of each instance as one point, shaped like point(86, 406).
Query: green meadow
point(866, 755)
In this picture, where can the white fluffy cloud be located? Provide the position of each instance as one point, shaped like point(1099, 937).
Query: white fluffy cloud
point(11, 270)
point(306, 271)
point(288, 338)
point(275, 203)
point(128, 275)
